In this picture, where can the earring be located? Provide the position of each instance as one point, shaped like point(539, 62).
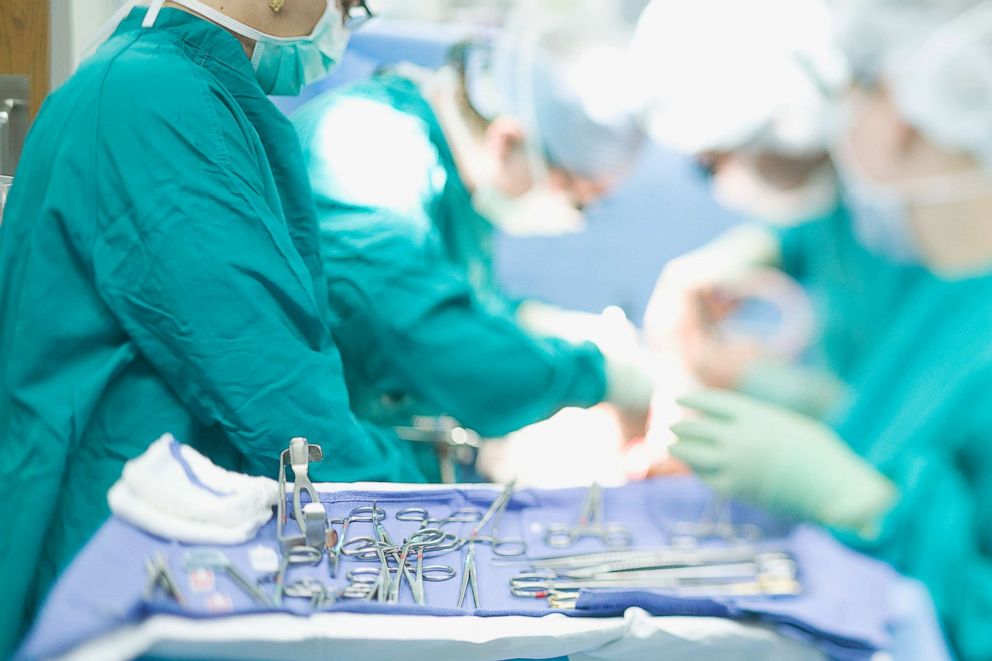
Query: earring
point(276, 5)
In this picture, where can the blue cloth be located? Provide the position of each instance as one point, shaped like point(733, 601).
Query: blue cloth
point(841, 617)
point(844, 607)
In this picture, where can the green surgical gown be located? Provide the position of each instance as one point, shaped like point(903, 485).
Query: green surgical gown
point(917, 353)
point(159, 272)
point(422, 326)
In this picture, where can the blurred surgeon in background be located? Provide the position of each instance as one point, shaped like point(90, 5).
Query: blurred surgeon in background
point(904, 471)
point(758, 103)
point(159, 272)
point(414, 171)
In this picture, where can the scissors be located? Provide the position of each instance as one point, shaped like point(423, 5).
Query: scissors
point(589, 524)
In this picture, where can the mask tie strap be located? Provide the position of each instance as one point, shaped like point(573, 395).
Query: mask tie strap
point(153, 10)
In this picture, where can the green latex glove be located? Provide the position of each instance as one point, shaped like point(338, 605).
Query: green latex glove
point(803, 389)
point(781, 460)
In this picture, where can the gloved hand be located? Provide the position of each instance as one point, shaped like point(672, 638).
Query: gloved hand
point(800, 388)
point(780, 460)
point(682, 290)
point(629, 383)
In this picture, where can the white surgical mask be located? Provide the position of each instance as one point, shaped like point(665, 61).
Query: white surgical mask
point(883, 214)
point(541, 211)
point(739, 187)
point(283, 65)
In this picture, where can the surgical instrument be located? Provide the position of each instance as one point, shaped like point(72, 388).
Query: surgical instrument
point(469, 577)
point(518, 546)
point(330, 547)
point(716, 523)
point(760, 587)
point(159, 576)
point(661, 557)
point(422, 516)
point(589, 524)
point(311, 519)
point(501, 546)
point(216, 559)
point(359, 514)
point(298, 555)
point(769, 573)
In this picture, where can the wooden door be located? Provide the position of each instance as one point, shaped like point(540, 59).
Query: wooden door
point(24, 45)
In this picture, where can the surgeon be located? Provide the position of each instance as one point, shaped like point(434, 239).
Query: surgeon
point(414, 172)
point(768, 155)
point(904, 471)
point(159, 272)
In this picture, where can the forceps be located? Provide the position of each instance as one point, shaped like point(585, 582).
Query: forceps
point(218, 561)
point(469, 577)
point(499, 545)
point(589, 524)
point(716, 523)
point(422, 516)
point(160, 576)
point(359, 514)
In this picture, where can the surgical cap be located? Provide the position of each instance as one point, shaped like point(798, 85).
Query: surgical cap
point(938, 68)
point(722, 74)
point(574, 96)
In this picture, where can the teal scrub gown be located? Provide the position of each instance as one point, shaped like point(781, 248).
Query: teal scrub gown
point(421, 323)
point(159, 272)
point(916, 351)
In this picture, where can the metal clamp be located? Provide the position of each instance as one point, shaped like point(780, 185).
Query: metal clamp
point(312, 517)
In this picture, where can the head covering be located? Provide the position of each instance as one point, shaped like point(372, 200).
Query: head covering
point(935, 58)
point(574, 95)
point(719, 75)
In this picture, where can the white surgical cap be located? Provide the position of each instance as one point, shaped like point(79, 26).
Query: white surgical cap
point(938, 67)
point(574, 95)
point(722, 74)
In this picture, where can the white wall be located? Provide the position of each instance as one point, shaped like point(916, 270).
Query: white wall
point(74, 25)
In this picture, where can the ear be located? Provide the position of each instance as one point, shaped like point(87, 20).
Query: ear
point(503, 137)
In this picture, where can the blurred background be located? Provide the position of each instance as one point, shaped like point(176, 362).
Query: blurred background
point(662, 210)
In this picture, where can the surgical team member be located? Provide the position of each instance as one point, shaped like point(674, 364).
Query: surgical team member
point(768, 153)
point(906, 471)
point(413, 172)
point(159, 272)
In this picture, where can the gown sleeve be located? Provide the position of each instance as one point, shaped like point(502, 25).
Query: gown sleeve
point(447, 348)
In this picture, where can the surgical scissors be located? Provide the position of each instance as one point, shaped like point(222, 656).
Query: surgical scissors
point(589, 524)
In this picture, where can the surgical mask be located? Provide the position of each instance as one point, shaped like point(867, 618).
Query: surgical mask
point(541, 211)
point(283, 65)
point(880, 218)
point(884, 216)
point(739, 187)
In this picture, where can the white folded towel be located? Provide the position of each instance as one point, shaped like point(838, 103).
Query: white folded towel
point(175, 492)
